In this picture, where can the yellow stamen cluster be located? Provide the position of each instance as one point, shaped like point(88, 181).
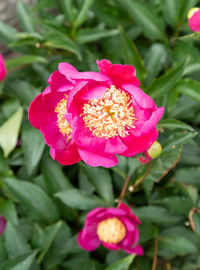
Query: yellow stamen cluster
point(63, 126)
point(113, 115)
point(111, 231)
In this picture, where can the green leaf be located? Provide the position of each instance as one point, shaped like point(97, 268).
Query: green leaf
point(7, 33)
point(179, 205)
point(24, 60)
point(123, 264)
point(67, 8)
point(189, 38)
point(189, 175)
point(174, 124)
point(23, 262)
point(79, 263)
point(87, 35)
point(83, 12)
point(44, 241)
point(171, 11)
point(32, 146)
point(157, 214)
point(191, 68)
point(8, 210)
point(178, 138)
point(190, 88)
point(33, 199)
point(155, 60)
point(101, 180)
point(9, 132)
point(54, 177)
point(58, 40)
point(25, 17)
point(166, 82)
point(147, 232)
point(54, 255)
point(179, 246)
point(161, 166)
point(15, 243)
point(79, 199)
point(146, 17)
point(131, 55)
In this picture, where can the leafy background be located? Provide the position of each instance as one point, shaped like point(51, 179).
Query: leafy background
point(45, 204)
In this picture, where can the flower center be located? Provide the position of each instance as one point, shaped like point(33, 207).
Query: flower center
point(111, 231)
point(113, 115)
point(63, 126)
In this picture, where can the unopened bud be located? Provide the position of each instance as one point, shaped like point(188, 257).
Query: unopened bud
point(192, 11)
point(155, 150)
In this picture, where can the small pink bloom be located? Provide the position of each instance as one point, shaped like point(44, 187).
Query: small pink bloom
point(2, 68)
point(153, 152)
point(194, 19)
point(2, 224)
point(115, 228)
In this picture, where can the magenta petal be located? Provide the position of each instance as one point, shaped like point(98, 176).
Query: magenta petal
point(115, 145)
point(97, 159)
point(138, 145)
point(2, 68)
point(194, 21)
point(138, 250)
point(88, 241)
point(110, 246)
point(67, 156)
point(2, 224)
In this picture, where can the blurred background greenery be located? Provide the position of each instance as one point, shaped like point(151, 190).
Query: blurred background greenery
point(45, 204)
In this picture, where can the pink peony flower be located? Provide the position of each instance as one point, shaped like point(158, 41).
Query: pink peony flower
point(153, 152)
point(2, 224)
point(2, 68)
point(115, 228)
point(95, 115)
point(112, 115)
point(194, 19)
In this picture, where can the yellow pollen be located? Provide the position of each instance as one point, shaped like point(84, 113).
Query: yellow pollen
point(63, 126)
point(111, 116)
point(111, 231)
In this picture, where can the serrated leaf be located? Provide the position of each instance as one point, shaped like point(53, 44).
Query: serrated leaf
point(101, 180)
point(9, 132)
point(131, 54)
point(33, 199)
point(79, 200)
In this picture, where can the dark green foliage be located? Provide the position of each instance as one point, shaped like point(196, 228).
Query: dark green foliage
point(45, 203)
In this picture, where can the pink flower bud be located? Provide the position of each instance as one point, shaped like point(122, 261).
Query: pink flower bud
point(153, 152)
point(194, 19)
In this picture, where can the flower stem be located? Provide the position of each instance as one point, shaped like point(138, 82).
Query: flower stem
point(155, 254)
point(124, 188)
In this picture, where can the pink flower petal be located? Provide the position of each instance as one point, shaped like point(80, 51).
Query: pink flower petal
point(2, 68)
point(135, 250)
point(194, 21)
point(110, 246)
point(2, 224)
point(88, 241)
